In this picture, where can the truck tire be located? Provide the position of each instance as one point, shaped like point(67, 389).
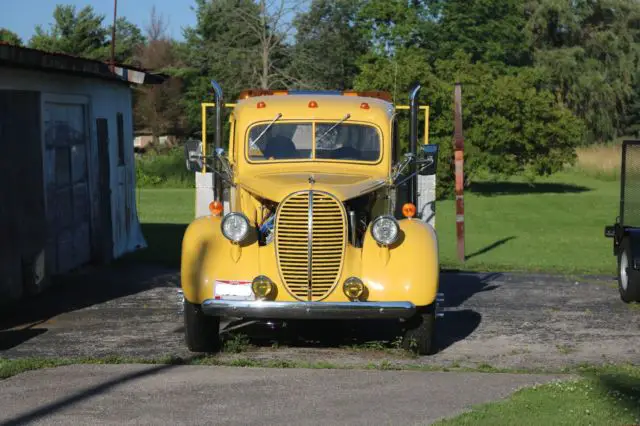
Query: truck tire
point(201, 332)
point(420, 333)
point(628, 278)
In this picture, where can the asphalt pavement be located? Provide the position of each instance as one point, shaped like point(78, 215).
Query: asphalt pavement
point(196, 395)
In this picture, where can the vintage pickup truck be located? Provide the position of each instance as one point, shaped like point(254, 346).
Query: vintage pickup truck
point(305, 220)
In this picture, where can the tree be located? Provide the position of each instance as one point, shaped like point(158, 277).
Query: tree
point(83, 34)
point(489, 30)
point(158, 108)
point(590, 52)
point(329, 42)
point(80, 34)
point(511, 125)
point(7, 36)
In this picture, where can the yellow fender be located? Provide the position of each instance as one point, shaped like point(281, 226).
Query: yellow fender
point(207, 255)
point(406, 271)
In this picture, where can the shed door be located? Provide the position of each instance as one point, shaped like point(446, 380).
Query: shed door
point(67, 185)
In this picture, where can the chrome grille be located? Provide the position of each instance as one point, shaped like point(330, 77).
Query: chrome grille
point(310, 243)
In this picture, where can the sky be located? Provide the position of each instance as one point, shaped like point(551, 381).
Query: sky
point(22, 16)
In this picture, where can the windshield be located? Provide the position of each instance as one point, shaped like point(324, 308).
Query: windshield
point(287, 141)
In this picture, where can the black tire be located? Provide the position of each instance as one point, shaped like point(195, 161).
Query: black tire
point(628, 281)
point(420, 333)
point(201, 332)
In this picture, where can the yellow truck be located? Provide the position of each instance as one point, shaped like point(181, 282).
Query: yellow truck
point(307, 218)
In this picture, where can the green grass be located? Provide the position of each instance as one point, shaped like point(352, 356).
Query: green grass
point(556, 225)
point(604, 396)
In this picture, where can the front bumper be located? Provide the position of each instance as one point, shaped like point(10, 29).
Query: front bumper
point(308, 310)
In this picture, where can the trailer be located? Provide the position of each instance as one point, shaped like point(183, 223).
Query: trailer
point(626, 230)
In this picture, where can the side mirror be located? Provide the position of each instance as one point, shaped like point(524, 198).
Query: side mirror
point(193, 155)
point(428, 160)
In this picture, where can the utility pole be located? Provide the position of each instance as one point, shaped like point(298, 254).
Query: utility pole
point(458, 149)
point(113, 37)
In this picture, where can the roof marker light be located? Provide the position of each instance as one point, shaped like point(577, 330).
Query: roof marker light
point(261, 104)
point(313, 104)
point(364, 105)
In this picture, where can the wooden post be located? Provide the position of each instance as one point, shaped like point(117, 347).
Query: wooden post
point(459, 170)
point(113, 36)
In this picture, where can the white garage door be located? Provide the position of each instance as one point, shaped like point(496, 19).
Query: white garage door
point(67, 186)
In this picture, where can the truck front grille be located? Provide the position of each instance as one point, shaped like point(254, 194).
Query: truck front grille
point(310, 243)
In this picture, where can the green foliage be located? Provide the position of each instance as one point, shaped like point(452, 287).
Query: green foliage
point(489, 30)
point(328, 44)
point(511, 126)
point(7, 36)
point(590, 52)
point(164, 170)
point(83, 33)
point(221, 47)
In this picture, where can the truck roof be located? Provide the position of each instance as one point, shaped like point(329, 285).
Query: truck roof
point(314, 106)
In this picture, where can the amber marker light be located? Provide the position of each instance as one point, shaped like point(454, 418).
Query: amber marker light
point(409, 210)
point(353, 288)
point(313, 104)
point(261, 104)
point(364, 105)
point(262, 287)
point(215, 207)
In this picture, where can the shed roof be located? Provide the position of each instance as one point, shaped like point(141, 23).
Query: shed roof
point(24, 57)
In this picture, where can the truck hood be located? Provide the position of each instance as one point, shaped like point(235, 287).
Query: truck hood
point(277, 186)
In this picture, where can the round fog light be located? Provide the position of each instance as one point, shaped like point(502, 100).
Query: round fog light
point(262, 287)
point(353, 288)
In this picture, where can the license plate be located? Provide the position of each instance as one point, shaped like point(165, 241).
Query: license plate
point(232, 290)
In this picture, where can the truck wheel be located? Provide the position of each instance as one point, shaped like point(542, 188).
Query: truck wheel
point(628, 283)
point(420, 333)
point(201, 332)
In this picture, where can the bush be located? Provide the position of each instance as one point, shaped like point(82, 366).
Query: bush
point(511, 125)
point(164, 170)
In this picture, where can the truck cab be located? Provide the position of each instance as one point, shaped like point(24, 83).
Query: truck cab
point(303, 222)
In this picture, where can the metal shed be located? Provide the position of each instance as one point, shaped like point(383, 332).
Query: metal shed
point(67, 172)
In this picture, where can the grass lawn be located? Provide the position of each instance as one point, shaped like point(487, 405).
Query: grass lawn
point(556, 225)
point(606, 396)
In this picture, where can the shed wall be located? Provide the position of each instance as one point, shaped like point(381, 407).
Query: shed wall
point(102, 99)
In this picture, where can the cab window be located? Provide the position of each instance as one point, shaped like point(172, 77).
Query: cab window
point(347, 142)
point(281, 141)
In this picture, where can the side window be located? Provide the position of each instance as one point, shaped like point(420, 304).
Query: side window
point(120, 124)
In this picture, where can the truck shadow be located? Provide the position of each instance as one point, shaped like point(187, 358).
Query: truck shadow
point(458, 323)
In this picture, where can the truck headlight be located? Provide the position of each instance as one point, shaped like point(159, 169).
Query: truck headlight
point(235, 227)
point(385, 230)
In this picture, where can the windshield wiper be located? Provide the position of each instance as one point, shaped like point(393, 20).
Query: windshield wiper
point(253, 144)
point(345, 118)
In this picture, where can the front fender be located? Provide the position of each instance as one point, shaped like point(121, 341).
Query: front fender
point(207, 255)
point(406, 271)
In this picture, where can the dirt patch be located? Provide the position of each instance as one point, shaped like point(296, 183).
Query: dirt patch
point(519, 321)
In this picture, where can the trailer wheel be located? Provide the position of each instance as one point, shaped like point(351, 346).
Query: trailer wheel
point(628, 282)
point(201, 332)
point(420, 333)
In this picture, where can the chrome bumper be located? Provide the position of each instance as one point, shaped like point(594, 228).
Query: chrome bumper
point(308, 310)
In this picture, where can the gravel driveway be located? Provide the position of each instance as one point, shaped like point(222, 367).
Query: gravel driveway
point(503, 320)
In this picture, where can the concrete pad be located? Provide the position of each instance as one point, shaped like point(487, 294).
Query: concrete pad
point(172, 395)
